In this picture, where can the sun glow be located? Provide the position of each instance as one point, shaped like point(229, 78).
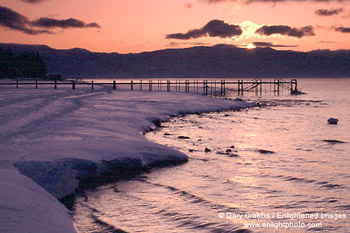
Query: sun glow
point(251, 46)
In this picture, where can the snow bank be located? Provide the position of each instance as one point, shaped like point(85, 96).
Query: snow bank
point(60, 137)
point(27, 207)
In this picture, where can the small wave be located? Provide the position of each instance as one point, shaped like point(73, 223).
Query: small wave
point(325, 184)
point(287, 206)
point(325, 229)
point(343, 207)
point(195, 222)
point(302, 180)
point(296, 179)
point(193, 198)
point(330, 200)
point(104, 227)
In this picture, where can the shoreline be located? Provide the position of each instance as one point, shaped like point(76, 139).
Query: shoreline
point(112, 142)
point(118, 174)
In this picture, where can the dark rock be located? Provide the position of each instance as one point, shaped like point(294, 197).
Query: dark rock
point(167, 134)
point(190, 150)
point(183, 137)
point(333, 121)
point(297, 92)
point(232, 155)
point(228, 150)
point(207, 150)
point(232, 147)
point(332, 141)
point(157, 122)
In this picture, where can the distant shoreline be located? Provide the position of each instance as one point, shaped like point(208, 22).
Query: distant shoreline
point(220, 61)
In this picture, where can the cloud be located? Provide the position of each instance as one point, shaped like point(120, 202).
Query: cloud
point(273, 1)
point(286, 31)
point(342, 29)
point(62, 23)
point(325, 12)
point(271, 45)
point(327, 42)
point(189, 5)
point(281, 1)
point(215, 28)
point(33, 1)
point(177, 44)
point(12, 20)
point(217, 1)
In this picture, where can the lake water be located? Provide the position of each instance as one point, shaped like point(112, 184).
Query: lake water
point(276, 168)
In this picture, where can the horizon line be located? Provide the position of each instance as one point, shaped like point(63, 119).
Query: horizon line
point(196, 46)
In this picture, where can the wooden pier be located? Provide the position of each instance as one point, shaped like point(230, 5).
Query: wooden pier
point(206, 87)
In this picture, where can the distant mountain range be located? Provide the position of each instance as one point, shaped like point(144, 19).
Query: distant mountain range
point(220, 61)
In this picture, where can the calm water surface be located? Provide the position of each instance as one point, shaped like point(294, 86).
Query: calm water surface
point(277, 168)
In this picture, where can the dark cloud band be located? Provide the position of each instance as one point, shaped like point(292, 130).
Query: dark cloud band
point(215, 28)
point(272, 1)
point(331, 12)
point(285, 31)
point(64, 23)
point(342, 29)
point(32, 1)
point(271, 45)
point(177, 44)
point(281, 1)
point(14, 21)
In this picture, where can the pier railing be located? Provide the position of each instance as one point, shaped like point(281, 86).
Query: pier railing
point(206, 87)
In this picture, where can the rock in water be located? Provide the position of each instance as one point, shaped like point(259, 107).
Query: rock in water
point(207, 150)
point(333, 121)
point(332, 141)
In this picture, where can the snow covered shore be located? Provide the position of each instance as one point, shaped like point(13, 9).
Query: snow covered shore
point(52, 139)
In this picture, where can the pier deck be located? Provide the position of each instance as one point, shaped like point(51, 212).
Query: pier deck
point(207, 87)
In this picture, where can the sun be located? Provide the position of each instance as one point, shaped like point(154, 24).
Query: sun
point(251, 46)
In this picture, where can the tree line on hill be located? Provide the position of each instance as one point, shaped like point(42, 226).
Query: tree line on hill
point(25, 65)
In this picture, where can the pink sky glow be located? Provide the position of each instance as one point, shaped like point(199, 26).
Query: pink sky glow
point(131, 26)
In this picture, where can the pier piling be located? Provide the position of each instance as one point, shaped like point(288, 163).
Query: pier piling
point(150, 85)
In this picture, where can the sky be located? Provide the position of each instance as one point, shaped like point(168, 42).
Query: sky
point(133, 26)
